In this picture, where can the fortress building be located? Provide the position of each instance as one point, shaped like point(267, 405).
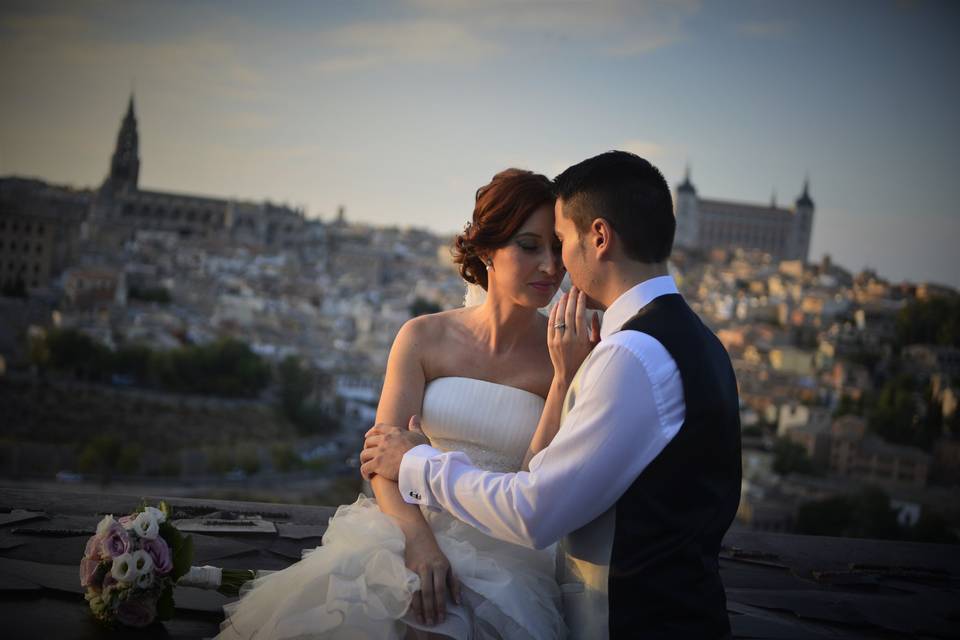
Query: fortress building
point(708, 224)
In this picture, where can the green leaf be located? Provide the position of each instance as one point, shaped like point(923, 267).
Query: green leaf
point(182, 558)
point(165, 606)
point(171, 535)
point(232, 579)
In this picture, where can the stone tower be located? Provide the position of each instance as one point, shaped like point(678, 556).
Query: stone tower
point(125, 163)
point(687, 214)
point(803, 223)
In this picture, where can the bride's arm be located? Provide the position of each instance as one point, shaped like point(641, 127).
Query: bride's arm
point(549, 420)
point(568, 349)
point(402, 397)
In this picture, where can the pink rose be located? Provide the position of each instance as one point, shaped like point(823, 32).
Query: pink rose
point(160, 553)
point(137, 612)
point(88, 571)
point(126, 522)
point(93, 547)
point(116, 542)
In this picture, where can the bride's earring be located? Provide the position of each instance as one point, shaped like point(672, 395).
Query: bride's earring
point(489, 263)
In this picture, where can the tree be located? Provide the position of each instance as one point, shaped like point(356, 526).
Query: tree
point(933, 321)
point(248, 459)
point(150, 294)
point(864, 515)
point(72, 350)
point(827, 517)
point(101, 455)
point(932, 527)
point(227, 367)
point(132, 360)
point(421, 307)
point(285, 458)
point(790, 457)
point(296, 385)
point(129, 459)
point(849, 406)
point(894, 411)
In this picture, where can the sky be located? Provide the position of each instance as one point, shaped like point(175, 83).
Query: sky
point(400, 110)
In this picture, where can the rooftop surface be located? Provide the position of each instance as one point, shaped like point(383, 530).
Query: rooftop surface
point(778, 585)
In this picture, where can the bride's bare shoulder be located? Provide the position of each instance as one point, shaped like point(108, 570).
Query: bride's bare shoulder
point(433, 327)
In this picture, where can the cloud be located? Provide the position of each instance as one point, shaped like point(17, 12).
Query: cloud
point(645, 44)
point(756, 29)
point(613, 28)
point(363, 45)
point(80, 46)
point(650, 150)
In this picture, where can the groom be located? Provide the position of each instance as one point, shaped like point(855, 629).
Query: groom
point(643, 478)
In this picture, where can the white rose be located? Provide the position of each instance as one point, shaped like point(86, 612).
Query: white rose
point(144, 580)
point(142, 562)
point(157, 513)
point(104, 524)
point(123, 569)
point(146, 525)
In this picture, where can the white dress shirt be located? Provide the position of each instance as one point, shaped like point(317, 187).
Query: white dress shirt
point(629, 406)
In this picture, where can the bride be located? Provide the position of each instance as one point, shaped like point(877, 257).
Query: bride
point(482, 378)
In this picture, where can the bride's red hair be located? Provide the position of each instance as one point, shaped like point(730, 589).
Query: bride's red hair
point(501, 208)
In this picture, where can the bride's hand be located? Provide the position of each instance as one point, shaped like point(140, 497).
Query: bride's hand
point(423, 557)
point(570, 335)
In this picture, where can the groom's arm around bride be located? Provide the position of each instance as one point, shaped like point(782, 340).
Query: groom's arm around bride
point(643, 476)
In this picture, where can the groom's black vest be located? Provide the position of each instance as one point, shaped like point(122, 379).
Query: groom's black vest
point(664, 576)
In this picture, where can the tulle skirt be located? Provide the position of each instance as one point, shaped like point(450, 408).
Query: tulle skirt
point(356, 586)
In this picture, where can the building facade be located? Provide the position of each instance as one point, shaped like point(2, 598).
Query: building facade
point(38, 226)
point(120, 208)
point(710, 224)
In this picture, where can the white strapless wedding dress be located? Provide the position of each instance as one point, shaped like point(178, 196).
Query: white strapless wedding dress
point(357, 586)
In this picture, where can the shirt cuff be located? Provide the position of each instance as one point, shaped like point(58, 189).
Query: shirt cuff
point(412, 479)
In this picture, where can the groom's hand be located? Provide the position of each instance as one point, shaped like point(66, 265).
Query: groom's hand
point(384, 446)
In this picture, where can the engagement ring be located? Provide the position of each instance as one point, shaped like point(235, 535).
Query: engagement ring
point(560, 325)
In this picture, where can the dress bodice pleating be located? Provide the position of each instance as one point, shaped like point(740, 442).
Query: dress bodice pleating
point(492, 423)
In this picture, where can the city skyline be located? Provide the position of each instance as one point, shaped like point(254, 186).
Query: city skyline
point(399, 111)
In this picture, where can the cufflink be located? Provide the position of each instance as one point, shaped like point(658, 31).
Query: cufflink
point(415, 495)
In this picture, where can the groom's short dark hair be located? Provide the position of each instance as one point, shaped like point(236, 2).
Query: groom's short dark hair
point(629, 193)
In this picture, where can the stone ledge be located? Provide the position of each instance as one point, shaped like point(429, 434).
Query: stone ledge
point(778, 585)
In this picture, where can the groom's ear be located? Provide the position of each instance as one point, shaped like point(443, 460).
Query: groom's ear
point(601, 234)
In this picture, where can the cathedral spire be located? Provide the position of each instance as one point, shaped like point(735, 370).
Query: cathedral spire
point(804, 200)
point(686, 186)
point(125, 163)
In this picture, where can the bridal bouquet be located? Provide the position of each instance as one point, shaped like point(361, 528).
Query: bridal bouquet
point(131, 565)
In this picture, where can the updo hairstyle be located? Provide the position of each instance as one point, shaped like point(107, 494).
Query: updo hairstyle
point(502, 206)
